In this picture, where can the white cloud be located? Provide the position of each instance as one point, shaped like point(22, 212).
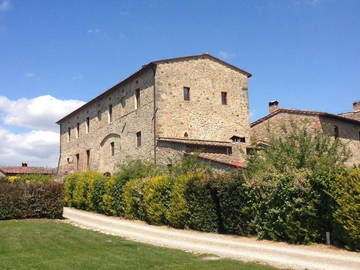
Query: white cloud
point(37, 113)
point(37, 147)
point(226, 55)
point(30, 74)
point(5, 5)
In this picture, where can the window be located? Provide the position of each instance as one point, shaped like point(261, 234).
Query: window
point(336, 132)
point(138, 139)
point(186, 93)
point(87, 124)
point(137, 98)
point(224, 98)
point(77, 130)
point(69, 134)
point(99, 115)
point(186, 135)
point(77, 161)
point(359, 135)
point(110, 113)
point(112, 145)
point(238, 139)
point(87, 159)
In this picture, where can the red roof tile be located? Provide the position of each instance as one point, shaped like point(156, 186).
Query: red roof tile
point(26, 170)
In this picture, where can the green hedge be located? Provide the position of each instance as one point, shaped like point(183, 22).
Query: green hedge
point(133, 196)
point(347, 215)
point(37, 200)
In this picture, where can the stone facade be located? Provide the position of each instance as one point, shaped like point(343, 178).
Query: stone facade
point(348, 129)
point(162, 113)
point(355, 114)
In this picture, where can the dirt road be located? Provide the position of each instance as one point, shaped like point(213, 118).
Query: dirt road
point(239, 248)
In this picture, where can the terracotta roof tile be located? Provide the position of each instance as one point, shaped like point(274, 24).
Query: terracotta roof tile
point(26, 170)
point(196, 142)
point(221, 158)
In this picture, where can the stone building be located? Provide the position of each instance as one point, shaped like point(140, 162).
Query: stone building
point(168, 108)
point(345, 127)
point(355, 114)
point(24, 169)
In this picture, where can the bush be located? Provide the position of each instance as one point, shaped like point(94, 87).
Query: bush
point(157, 193)
point(133, 197)
point(33, 178)
point(347, 216)
point(178, 211)
point(69, 186)
point(38, 200)
point(236, 201)
point(82, 198)
point(286, 209)
point(96, 190)
point(113, 196)
point(203, 214)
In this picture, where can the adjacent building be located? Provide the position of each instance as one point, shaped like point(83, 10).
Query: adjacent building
point(171, 107)
point(24, 169)
point(345, 127)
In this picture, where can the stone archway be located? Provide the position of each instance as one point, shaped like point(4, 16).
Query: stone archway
point(109, 152)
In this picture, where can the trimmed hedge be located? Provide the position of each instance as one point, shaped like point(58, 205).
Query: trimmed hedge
point(347, 215)
point(31, 200)
point(157, 192)
point(133, 196)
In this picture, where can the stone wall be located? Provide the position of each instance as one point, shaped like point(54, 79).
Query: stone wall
point(203, 116)
point(127, 120)
point(348, 132)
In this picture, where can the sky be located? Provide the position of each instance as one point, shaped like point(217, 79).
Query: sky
point(56, 55)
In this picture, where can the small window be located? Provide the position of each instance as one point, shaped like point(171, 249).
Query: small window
point(99, 115)
point(186, 135)
point(77, 161)
point(77, 130)
point(138, 139)
point(137, 98)
point(68, 160)
point(110, 113)
point(112, 145)
point(336, 132)
point(186, 93)
point(87, 124)
point(87, 159)
point(359, 135)
point(224, 98)
point(238, 139)
point(69, 134)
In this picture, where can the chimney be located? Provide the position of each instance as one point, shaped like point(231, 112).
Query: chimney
point(273, 106)
point(23, 164)
point(356, 106)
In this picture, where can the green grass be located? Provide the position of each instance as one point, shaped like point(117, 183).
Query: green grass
point(32, 244)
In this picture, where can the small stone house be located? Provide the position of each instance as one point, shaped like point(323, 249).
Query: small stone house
point(169, 108)
point(345, 127)
point(24, 169)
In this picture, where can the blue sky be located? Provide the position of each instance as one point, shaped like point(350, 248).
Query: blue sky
point(305, 53)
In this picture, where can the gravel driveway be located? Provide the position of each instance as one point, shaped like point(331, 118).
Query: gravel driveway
point(239, 248)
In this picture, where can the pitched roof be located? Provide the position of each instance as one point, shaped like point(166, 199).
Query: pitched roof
point(304, 112)
point(26, 170)
point(221, 158)
point(149, 65)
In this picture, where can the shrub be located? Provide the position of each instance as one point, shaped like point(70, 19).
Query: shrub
point(33, 178)
point(286, 208)
point(347, 216)
point(157, 193)
point(96, 190)
point(203, 214)
point(133, 197)
point(82, 198)
point(236, 201)
point(178, 211)
point(113, 196)
point(37, 200)
point(69, 186)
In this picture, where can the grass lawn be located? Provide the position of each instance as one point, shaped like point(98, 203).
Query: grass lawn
point(32, 244)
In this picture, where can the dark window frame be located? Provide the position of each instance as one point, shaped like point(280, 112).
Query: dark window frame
point(137, 98)
point(138, 139)
point(112, 146)
point(87, 159)
point(224, 98)
point(186, 92)
point(110, 113)
point(87, 125)
point(336, 132)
